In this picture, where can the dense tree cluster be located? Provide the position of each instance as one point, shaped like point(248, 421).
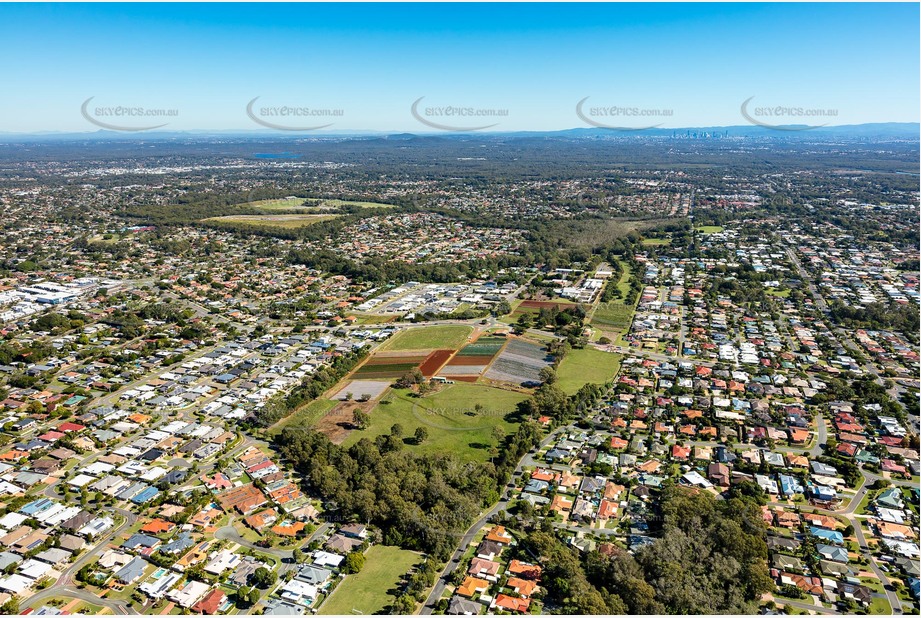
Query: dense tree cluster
point(711, 558)
point(420, 501)
point(903, 318)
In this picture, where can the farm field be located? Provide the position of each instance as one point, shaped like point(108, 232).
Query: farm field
point(389, 366)
point(280, 221)
point(434, 362)
point(613, 314)
point(444, 415)
point(587, 365)
point(384, 372)
point(368, 591)
point(520, 362)
point(473, 359)
point(429, 338)
point(484, 346)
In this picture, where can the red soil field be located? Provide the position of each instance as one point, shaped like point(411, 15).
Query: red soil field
point(434, 362)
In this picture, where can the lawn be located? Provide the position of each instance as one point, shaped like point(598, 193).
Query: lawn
point(370, 590)
point(778, 293)
point(445, 416)
point(287, 222)
point(586, 365)
point(307, 416)
point(623, 284)
point(429, 338)
point(614, 314)
point(880, 605)
point(709, 229)
point(657, 241)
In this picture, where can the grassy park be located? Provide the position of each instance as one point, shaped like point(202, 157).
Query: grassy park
point(587, 365)
point(449, 417)
point(372, 589)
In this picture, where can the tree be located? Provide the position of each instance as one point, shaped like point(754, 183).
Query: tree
point(297, 555)
point(404, 605)
point(354, 562)
point(548, 375)
point(10, 607)
point(421, 435)
point(396, 430)
point(263, 578)
point(410, 378)
point(361, 419)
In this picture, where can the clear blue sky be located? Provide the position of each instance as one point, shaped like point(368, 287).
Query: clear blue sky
point(535, 60)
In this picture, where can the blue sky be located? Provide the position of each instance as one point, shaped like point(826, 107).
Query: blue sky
point(537, 61)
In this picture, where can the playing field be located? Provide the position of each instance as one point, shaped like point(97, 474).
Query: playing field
point(429, 338)
point(368, 591)
point(709, 229)
point(587, 365)
point(280, 221)
point(448, 416)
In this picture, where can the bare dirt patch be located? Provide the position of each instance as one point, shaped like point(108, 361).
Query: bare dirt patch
point(337, 423)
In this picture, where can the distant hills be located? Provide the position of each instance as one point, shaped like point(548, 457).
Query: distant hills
point(877, 130)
